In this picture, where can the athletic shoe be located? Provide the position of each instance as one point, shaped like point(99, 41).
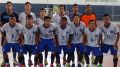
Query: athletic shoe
point(15, 62)
point(41, 65)
point(51, 65)
point(73, 64)
point(88, 65)
point(79, 65)
point(58, 65)
point(3, 64)
point(30, 62)
point(100, 65)
point(45, 62)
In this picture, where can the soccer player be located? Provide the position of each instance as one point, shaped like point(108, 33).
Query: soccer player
point(29, 42)
point(42, 14)
point(111, 37)
point(22, 16)
point(61, 13)
point(64, 37)
point(6, 14)
point(47, 35)
point(93, 36)
point(74, 11)
point(10, 33)
point(78, 38)
point(88, 15)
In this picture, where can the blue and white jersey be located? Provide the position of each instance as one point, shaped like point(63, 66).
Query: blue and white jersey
point(63, 34)
point(57, 18)
point(109, 33)
point(29, 34)
point(22, 18)
point(93, 37)
point(78, 32)
point(12, 33)
point(39, 21)
point(46, 33)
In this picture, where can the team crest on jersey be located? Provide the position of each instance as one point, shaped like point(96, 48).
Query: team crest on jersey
point(111, 31)
point(50, 31)
point(17, 31)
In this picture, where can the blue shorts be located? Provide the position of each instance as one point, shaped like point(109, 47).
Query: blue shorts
point(79, 47)
point(106, 48)
point(7, 47)
point(65, 49)
point(46, 44)
point(28, 48)
point(96, 51)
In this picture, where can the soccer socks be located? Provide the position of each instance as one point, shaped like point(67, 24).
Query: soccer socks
point(115, 61)
point(40, 58)
point(5, 57)
point(52, 58)
point(87, 58)
point(57, 58)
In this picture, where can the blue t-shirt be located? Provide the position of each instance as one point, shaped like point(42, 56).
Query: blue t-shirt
point(5, 17)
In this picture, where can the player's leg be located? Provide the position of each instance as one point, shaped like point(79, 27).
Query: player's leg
point(46, 54)
point(21, 60)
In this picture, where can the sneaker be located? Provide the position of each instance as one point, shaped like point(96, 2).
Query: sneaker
point(3, 64)
point(30, 62)
point(64, 61)
point(15, 62)
point(58, 65)
point(68, 65)
point(93, 65)
point(73, 64)
point(88, 65)
point(51, 65)
point(7, 65)
point(79, 65)
point(92, 58)
point(100, 65)
point(41, 65)
point(46, 63)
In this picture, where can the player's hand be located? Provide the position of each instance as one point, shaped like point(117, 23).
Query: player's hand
point(116, 46)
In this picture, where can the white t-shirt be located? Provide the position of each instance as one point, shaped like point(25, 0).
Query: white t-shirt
point(93, 37)
point(47, 33)
point(78, 32)
point(63, 34)
point(29, 34)
point(57, 18)
point(39, 21)
point(109, 33)
point(12, 33)
point(22, 17)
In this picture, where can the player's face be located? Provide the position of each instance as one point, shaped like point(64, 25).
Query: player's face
point(63, 22)
point(9, 7)
point(27, 7)
point(92, 24)
point(61, 9)
point(42, 13)
point(106, 20)
point(75, 8)
point(76, 19)
point(47, 22)
point(12, 20)
point(29, 21)
point(88, 9)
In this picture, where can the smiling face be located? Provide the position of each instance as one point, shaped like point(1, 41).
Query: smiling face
point(76, 19)
point(12, 20)
point(47, 22)
point(92, 25)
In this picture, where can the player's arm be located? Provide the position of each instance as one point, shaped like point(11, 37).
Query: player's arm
point(37, 39)
point(85, 39)
point(70, 40)
point(4, 40)
point(21, 38)
point(117, 39)
point(100, 40)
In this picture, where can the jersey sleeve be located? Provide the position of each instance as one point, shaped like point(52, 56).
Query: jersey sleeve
point(3, 29)
point(116, 29)
point(71, 30)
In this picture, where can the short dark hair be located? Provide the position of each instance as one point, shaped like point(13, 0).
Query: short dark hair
point(61, 6)
point(93, 21)
point(75, 4)
point(43, 9)
point(29, 16)
point(64, 18)
point(47, 17)
point(12, 15)
point(105, 15)
point(27, 3)
point(9, 2)
point(75, 15)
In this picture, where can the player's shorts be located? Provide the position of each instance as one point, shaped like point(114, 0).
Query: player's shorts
point(106, 48)
point(7, 47)
point(28, 49)
point(46, 43)
point(96, 51)
point(79, 47)
point(64, 48)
